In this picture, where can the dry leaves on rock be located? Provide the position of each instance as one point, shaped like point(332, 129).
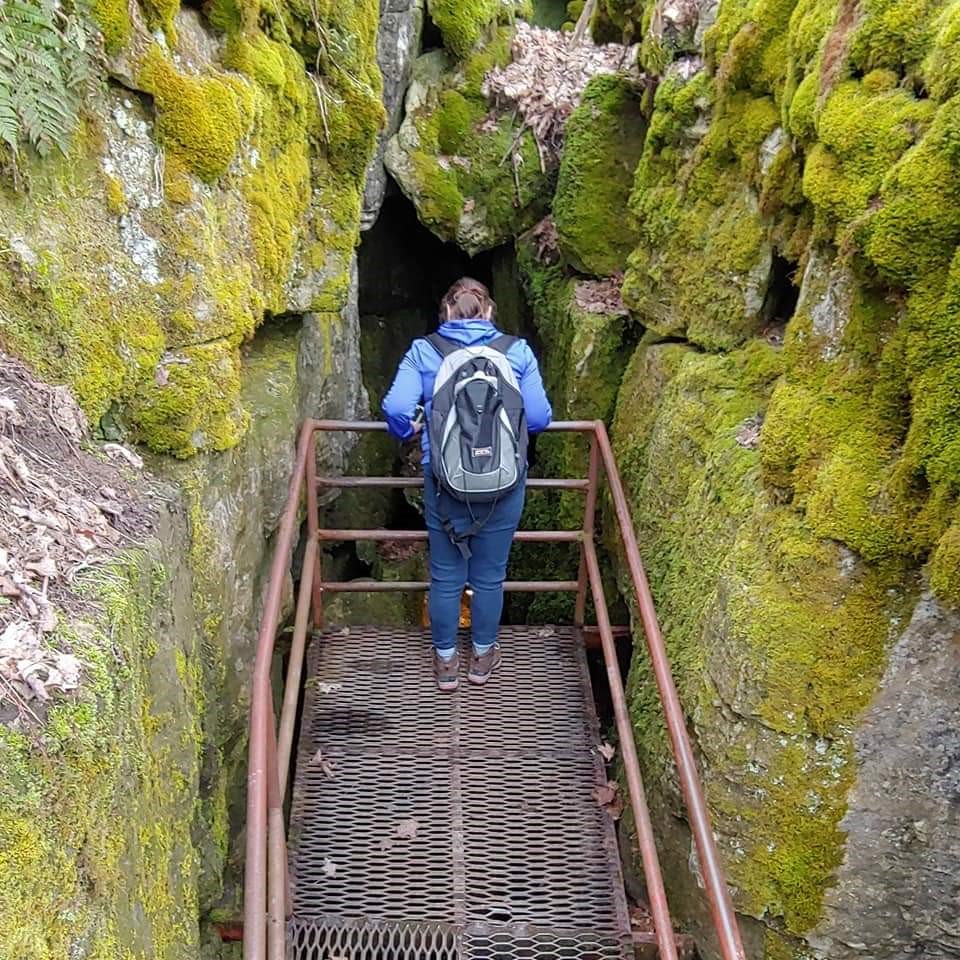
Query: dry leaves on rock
point(546, 241)
point(607, 751)
point(601, 296)
point(62, 511)
point(546, 79)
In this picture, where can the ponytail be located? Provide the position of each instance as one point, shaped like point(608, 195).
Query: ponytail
point(467, 299)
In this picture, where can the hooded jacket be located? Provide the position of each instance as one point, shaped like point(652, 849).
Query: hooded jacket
point(413, 383)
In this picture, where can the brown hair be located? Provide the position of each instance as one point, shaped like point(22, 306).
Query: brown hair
point(467, 299)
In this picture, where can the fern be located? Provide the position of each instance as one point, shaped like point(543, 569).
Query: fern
point(48, 51)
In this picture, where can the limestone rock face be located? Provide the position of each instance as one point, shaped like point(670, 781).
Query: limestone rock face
point(398, 43)
point(149, 257)
point(898, 882)
point(474, 178)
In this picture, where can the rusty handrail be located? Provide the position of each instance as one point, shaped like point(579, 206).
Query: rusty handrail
point(266, 903)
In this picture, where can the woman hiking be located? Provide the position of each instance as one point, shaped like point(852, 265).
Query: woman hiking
point(479, 393)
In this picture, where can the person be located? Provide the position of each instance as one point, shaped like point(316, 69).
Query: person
point(469, 543)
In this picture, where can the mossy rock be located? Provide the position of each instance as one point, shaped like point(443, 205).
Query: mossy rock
point(760, 615)
point(602, 146)
point(474, 177)
point(192, 404)
point(703, 263)
point(863, 128)
point(462, 22)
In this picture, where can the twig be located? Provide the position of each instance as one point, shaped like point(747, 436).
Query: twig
point(583, 23)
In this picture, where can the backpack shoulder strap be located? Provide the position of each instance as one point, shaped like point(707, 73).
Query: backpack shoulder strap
point(442, 345)
point(503, 343)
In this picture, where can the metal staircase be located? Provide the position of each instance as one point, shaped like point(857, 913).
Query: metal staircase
point(463, 827)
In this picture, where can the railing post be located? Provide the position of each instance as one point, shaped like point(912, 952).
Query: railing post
point(259, 765)
point(721, 906)
point(313, 525)
point(291, 693)
point(276, 853)
point(589, 516)
point(631, 766)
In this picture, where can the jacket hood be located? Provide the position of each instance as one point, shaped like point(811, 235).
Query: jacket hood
point(469, 332)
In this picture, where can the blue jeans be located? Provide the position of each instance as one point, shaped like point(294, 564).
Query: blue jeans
point(485, 570)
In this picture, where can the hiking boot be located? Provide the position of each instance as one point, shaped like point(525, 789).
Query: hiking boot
point(482, 667)
point(447, 672)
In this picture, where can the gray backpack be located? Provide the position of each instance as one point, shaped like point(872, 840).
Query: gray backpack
point(478, 427)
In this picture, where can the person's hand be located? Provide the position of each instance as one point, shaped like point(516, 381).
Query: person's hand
point(417, 427)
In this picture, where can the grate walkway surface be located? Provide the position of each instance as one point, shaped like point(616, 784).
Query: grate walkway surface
point(463, 826)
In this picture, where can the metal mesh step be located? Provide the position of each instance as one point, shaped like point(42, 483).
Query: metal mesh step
point(458, 826)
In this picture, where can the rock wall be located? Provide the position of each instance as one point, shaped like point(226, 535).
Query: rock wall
point(188, 270)
point(749, 271)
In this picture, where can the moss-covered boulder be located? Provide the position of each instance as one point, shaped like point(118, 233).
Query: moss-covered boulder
point(136, 268)
point(703, 263)
point(602, 146)
point(471, 171)
point(122, 826)
point(776, 636)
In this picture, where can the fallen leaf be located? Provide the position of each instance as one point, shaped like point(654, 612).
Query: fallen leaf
point(43, 568)
point(607, 751)
point(116, 450)
point(608, 797)
point(8, 588)
point(48, 619)
point(329, 687)
point(326, 767)
point(329, 868)
point(546, 632)
point(19, 636)
point(407, 829)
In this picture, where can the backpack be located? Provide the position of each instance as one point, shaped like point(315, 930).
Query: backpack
point(478, 426)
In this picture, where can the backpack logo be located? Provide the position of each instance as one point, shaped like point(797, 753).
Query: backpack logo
point(482, 451)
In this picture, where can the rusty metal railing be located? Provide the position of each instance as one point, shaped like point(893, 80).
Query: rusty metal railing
point(266, 892)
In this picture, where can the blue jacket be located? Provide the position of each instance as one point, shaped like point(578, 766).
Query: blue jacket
point(413, 383)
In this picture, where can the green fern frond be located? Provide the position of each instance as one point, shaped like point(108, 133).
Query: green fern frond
point(47, 56)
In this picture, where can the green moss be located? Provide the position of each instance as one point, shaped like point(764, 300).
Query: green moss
point(160, 15)
point(893, 34)
point(474, 177)
point(113, 19)
point(863, 128)
point(702, 263)
point(71, 330)
point(748, 45)
point(201, 120)
point(945, 567)
point(619, 21)
point(916, 225)
point(192, 404)
point(602, 146)
point(455, 122)
point(462, 22)
point(116, 200)
point(97, 806)
point(759, 620)
point(259, 57)
point(941, 68)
